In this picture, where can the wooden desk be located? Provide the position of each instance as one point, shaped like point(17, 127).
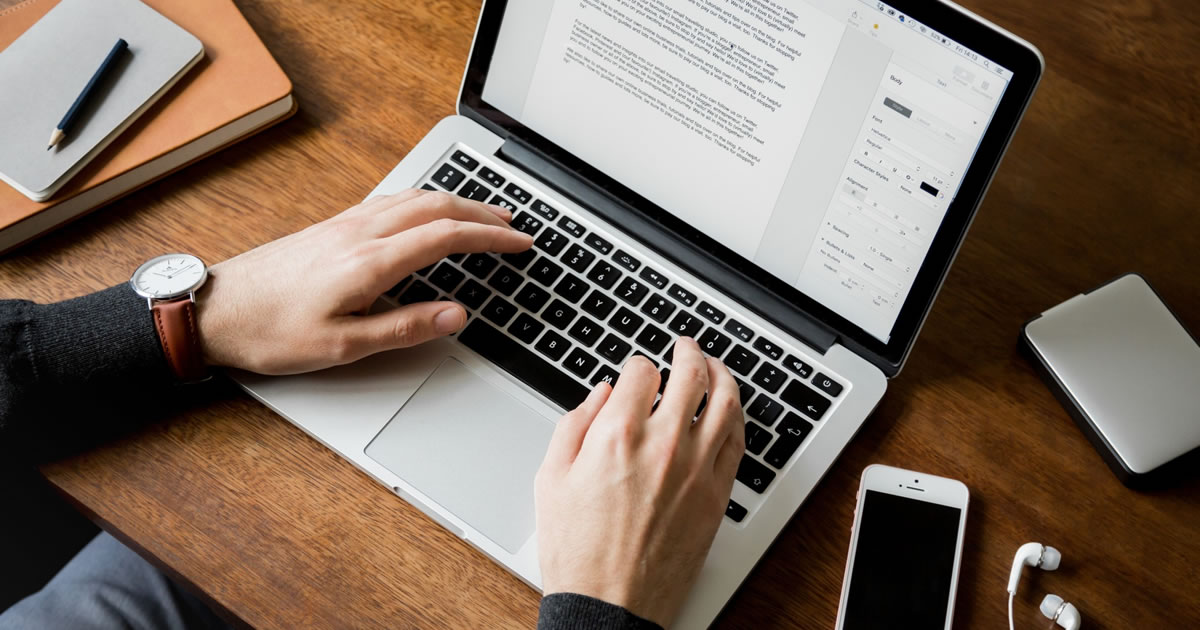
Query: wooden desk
point(1100, 180)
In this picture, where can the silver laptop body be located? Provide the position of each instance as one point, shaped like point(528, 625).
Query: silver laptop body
point(458, 427)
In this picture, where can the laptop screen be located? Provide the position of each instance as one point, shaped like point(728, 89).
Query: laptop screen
point(823, 140)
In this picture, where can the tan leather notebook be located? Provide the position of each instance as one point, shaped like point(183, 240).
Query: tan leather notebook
point(236, 90)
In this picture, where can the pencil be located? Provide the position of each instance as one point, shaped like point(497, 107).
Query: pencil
point(60, 132)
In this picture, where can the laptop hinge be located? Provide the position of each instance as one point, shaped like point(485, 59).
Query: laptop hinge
point(742, 288)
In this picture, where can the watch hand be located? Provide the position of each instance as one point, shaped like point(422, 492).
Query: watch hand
point(181, 271)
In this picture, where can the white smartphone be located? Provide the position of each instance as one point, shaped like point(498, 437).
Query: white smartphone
point(905, 548)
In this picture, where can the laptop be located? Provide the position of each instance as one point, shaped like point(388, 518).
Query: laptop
point(786, 182)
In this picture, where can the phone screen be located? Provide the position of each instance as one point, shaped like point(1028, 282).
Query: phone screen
point(903, 564)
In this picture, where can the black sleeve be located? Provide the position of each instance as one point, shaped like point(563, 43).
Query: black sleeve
point(89, 361)
point(569, 611)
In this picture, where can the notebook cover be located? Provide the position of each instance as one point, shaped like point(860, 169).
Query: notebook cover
point(238, 76)
point(49, 65)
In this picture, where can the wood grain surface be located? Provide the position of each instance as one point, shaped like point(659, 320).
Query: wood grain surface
point(1101, 179)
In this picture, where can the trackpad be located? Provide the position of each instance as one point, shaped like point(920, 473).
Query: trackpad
point(471, 448)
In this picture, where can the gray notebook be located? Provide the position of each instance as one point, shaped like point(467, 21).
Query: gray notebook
point(46, 68)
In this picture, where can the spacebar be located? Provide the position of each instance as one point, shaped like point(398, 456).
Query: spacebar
point(546, 378)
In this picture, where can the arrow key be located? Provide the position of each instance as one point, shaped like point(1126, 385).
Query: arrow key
point(754, 475)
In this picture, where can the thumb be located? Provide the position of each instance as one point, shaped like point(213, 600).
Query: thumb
point(409, 325)
point(573, 427)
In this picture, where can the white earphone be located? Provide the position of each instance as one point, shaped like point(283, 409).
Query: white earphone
point(1047, 558)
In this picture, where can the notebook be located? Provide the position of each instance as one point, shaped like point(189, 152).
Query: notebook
point(236, 90)
point(52, 62)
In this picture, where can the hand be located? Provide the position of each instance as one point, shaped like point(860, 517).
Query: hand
point(629, 500)
point(299, 303)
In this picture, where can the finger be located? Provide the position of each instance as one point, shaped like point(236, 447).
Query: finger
point(573, 427)
point(687, 385)
point(723, 413)
point(729, 456)
point(432, 206)
point(634, 393)
point(402, 327)
point(424, 245)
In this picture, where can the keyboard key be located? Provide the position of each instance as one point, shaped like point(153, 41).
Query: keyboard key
point(599, 304)
point(571, 288)
point(605, 374)
point(768, 347)
point(497, 200)
point(802, 369)
point(543, 209)
point(663, 376)
point(550, 242)
point(632, 291)
point(757, 438)
point(558, 314)
point(604, 275)
point(532, 297)
point(686, 325)
point(754, 475)
point(464, 160)
point(713, 343)
point(520, 260)
point(658, 308)
point(653, 277)
point(522, 363)
point(597, 243)
point(394, 291)
point(448, 177)
point(571, 226)
point(765, 410)
point(735, 512)
point(653, 339)
point(446, 277)
point(456, 257)
point(526, 328)
point(417, 292)
point(710, 312)
point(741, 360)
point(739, 330)
point(505, 280)
point(553, 345)
point(472, 294)
point(491, 177)
point(613, 349)
point(578, 258)
point(745, 391)
point(792, 432)
point(681, 295)
point(827, 385)
point(475, 191)
point(806, 399)
point(518, 193)
point(627, 261)
point(427, 186)
point(480, 265)
point(769, 378)
point(586, 331)
point(499, 310)
point(581, 363)
point(424, 271)
point(545, 271)
point(527, 223)
point(626, 322)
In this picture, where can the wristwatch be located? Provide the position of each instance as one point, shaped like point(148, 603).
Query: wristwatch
point(169, 284)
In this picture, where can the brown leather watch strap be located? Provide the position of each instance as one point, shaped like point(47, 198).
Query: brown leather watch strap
point(176, 325)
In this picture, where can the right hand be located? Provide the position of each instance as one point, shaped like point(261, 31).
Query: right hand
point(629, 500)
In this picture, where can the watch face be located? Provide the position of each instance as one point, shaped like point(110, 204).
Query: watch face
point(169, 276)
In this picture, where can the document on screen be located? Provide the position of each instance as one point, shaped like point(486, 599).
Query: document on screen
point(698, 105)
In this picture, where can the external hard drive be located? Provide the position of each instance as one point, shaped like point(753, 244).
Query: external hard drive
point(1128, 372)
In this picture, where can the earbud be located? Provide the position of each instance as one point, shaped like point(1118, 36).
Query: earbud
point(1034, 555)
point(1063, 613)
point(1047, 558)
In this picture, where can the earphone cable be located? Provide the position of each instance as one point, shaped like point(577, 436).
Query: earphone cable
point(1010, 619)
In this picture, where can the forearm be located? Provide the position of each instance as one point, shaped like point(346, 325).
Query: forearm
point(96, 355)
point(568, 611)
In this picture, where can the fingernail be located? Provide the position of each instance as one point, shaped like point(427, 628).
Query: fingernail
point(448, 321)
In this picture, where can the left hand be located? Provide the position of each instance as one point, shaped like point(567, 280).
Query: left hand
point(298, 304)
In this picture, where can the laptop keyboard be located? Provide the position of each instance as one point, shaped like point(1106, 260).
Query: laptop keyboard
point(569, 312)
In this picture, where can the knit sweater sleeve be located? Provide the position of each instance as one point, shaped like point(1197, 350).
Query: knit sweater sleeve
point(570, 611)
